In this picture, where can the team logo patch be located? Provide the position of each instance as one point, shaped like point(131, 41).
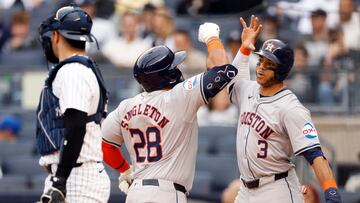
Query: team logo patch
point(309, 131)
point(190, 83)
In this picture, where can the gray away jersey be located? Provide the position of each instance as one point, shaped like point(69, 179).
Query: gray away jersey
point(160, 131)
point(270, 130)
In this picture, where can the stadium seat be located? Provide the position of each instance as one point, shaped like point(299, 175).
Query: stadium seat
point(222, 168)
point(14, 183)
point(22, 59)
point(204, 145)
point(22, 165)
point(202, 184)
point(9, 150)
point(216, 135)
point(37, 182)
point(226, 145)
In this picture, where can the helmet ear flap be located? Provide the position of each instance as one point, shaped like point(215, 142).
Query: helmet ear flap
point(281, 73)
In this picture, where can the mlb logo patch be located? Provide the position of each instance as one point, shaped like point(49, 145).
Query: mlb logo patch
point(190, 83)
point(309, 131)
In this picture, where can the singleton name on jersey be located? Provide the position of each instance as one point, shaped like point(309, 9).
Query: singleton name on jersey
point(149, 111)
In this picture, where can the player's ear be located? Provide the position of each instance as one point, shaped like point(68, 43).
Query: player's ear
point(55, 36)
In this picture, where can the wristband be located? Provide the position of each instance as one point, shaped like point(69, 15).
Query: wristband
point(214, 43)
point(331, 183)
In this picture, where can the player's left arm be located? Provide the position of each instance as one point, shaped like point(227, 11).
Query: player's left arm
point(323, 173)
point(305, 141)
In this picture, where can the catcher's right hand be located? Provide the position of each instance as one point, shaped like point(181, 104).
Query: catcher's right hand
point(53, 195)
point(125, 180)
point(56, 193)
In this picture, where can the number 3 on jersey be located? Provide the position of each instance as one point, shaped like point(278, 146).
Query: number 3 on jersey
point(151, 139)
point(263, 149)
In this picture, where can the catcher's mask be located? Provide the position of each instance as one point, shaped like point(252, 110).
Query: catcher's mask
point(156, 68)
point(71, 22)
point(278, 52)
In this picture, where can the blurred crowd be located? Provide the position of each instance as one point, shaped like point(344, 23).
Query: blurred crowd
point(325, 35)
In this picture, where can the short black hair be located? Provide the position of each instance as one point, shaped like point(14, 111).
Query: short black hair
point(75, 43)
point(318, 12)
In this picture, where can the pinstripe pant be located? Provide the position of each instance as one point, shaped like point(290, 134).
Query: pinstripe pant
point(88, 183)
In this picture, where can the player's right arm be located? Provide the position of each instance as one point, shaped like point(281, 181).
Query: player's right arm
point(241, 60)
point(112, 140)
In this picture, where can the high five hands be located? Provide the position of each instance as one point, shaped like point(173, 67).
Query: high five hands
point(250, 33)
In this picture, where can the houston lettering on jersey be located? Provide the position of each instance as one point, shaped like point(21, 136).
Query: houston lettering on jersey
point(256, 122)
point(146, 110)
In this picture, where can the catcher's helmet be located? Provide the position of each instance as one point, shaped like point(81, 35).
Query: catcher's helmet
point(156, 68)
point(71, 22)
point(279, 52)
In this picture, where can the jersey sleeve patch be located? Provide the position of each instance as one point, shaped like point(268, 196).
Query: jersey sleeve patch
point(309, 130)
point(191, 82)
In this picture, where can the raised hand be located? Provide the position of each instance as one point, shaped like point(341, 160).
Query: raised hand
point(249, 34)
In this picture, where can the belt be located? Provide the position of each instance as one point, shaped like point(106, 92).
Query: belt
point(155, 182)
point(256, 183)
point(48, 167)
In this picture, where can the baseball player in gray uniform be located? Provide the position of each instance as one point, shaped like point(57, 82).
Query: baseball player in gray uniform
point(72, 105)
point(159, 126)
point(272, 126)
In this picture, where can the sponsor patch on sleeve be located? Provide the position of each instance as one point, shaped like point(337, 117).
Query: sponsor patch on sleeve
point(309, 130)
point(191, 82)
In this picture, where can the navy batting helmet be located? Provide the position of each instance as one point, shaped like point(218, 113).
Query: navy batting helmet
point(71, 22)
point(156, 68)
point(278, 52)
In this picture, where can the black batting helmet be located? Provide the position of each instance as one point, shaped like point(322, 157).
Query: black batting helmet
point(278, 52)
point(156, 68)
point(71, 22)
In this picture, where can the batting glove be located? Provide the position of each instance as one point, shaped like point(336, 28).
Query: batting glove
point(332, 195)
point(56, 193)
point(208, 30)
point(125, 180)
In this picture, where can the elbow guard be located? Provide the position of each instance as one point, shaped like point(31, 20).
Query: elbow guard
point(311, 154)
point(217, 78)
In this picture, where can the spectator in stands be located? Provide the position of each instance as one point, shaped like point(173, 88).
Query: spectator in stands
point(146, 28)
point(350, 21)
point(338, 76)
point(4, 33)
point(298, 79)
point(163, 26)
point(317, 42)
point(353, 182)
point(270, 29)
point(233, 43)
point(102, 29)
point(219, 111)
point(124, 50)
point(21, 38)
point(9, 128)
point(195, 60)
point(300, 12)
point(193, 7)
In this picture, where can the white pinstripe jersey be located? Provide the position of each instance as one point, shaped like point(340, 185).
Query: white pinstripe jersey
point(76, 87)
point(160, 131)
point(270, 130)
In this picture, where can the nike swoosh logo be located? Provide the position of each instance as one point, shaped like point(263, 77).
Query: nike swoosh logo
point(249, 97)
point(101, 170)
